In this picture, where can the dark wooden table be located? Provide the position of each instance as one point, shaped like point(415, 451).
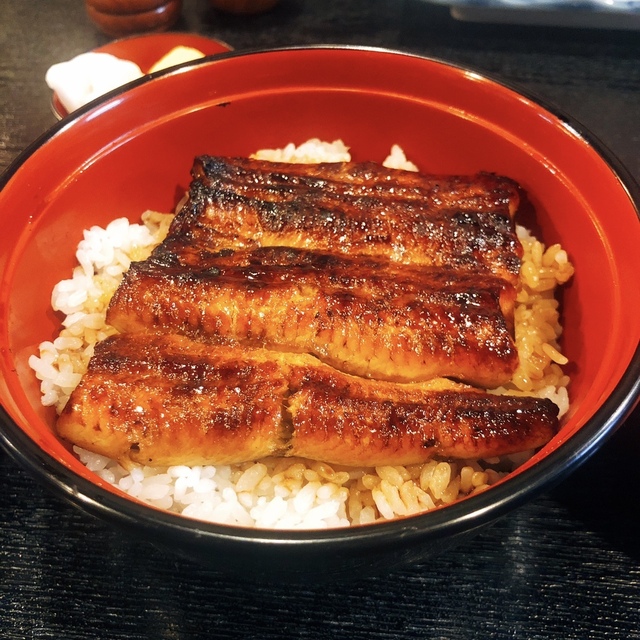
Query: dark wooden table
point(566, 566)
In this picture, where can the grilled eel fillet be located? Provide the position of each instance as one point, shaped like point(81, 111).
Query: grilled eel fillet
point(381, 273)
point(165, 399)
point(363, 316)
point(369, 269)
point(484, 191)
point(463, 222)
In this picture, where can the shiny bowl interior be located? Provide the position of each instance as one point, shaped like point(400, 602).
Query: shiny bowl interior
point(133, 150)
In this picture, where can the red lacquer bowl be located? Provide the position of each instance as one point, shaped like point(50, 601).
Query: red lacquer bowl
point(146, 50)
point(133, 151)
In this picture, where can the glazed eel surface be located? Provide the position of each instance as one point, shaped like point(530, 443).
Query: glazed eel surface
point(463, 222)
point(341, 312)
point(364, 283)
point(363, 316)
point(166, 399)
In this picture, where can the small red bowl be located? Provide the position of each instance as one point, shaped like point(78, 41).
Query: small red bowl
point(146, 50)
point(133, 151)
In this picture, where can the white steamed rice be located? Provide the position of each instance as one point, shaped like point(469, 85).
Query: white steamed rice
point(292, 492)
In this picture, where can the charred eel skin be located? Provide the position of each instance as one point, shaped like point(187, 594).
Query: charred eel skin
point(367, 268)
point(361, 315)
point(463, 222)
point(340, 312)
point(166, 399)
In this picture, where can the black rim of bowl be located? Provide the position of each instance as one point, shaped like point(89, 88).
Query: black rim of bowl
point(462, 516)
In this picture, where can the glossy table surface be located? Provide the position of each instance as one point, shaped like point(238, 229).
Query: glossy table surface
point(564, 566)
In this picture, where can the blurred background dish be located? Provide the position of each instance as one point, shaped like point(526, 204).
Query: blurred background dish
point(146, 50)
point(125, 17)
point(589, 14)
